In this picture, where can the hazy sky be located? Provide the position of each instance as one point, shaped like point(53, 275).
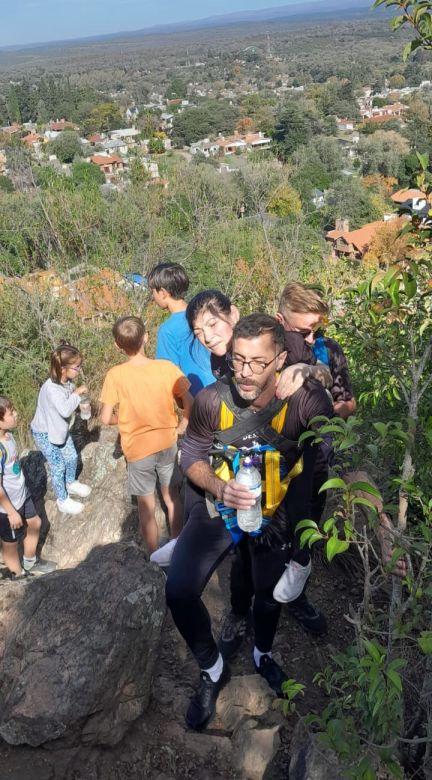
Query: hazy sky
point(28, 21)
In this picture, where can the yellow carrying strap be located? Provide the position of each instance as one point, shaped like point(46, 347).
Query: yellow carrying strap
point(274, 488)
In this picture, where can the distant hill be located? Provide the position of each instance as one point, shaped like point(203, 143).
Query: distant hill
point(295, 12)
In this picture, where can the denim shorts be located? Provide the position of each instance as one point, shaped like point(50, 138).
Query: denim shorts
point(142, 473)
point(8, 534)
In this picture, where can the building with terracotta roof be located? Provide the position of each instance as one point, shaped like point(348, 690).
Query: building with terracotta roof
point(12, 129)
point(413, 201)
point(352, 244)
point(111, 165)
point(61, 125)
point(32, 140)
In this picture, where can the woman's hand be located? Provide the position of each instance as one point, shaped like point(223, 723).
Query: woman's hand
point(291, 379)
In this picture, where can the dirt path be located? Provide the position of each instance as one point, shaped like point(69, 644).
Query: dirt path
point(159, 747)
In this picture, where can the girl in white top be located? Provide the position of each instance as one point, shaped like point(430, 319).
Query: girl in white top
point(57, 401)
point(18, 517)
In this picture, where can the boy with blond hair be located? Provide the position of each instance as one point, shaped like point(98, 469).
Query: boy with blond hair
point(302, 310)
point(139, 397)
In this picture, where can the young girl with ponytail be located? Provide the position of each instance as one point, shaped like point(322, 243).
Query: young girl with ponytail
point(57, 401)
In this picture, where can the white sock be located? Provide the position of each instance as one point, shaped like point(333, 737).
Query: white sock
point(216, 670)
point(257, 655)
point(28, 563)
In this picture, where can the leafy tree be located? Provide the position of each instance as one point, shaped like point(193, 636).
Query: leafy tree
point(104, 117)
point(397, 81)
point(211, 118)
point(294, 127)
point(66, 146)
point(156, 146)
point(13, 110)
point(349, 198)
point(86, 174)
point(418, 125)
point(284, 202)
point(177, 89)
point(387, 246)
point(383, 152)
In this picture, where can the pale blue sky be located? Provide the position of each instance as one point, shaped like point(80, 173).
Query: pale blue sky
point(29, 21)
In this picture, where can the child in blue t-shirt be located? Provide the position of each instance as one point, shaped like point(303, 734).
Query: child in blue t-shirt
point(169, 283)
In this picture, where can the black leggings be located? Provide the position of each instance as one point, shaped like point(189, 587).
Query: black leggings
point(241, 584)
point(203, 543)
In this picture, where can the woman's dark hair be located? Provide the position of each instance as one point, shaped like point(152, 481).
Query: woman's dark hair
point(63, 356)
point(213, 301)
point(5, 404)
point(172, 277)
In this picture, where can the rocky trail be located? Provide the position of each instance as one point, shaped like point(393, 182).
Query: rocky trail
point(100, 556)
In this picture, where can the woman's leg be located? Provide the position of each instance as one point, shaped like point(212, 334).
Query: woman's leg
point(56, 463)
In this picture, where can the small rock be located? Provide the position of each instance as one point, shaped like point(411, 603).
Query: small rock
point(254, 748)
point(244, 696)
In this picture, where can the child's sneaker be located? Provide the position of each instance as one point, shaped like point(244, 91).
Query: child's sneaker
point(40, 567)
point(70, 507)
point(163, 555)
point(292, 582)
point(78, 489)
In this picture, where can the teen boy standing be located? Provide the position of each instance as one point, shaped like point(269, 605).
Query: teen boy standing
point(169, 283)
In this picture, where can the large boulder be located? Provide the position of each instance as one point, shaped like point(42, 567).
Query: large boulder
point(109, 515)
point(80, 648)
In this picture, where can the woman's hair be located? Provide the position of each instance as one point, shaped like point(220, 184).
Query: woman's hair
point(62, 357)
point(129, 334)
point(213, 301)
point(5, 404)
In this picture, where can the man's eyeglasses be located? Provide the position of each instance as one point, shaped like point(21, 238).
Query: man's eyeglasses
point(255, 366)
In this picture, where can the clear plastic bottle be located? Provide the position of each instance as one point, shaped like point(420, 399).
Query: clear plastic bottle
point(250, 519)
point(85, 407)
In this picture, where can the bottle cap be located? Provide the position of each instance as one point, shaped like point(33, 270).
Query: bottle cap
point(247, 462)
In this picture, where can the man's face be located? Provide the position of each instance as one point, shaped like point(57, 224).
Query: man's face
point(305, 323)
point(255, 364)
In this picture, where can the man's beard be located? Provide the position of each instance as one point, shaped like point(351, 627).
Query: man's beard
point(254, 392)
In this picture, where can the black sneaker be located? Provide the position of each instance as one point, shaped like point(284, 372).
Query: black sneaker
point(272, 672)
point(308, 616)
point(203, 703)
point(234, 630)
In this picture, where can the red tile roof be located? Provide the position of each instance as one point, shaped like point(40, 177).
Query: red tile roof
point(359, 238)
point(100, 159)
point(401, 196)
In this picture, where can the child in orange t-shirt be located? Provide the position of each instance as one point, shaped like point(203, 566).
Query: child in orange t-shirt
point(139, 396)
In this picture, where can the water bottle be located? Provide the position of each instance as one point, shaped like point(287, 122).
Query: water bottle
point(250, 519)
point(85, 407)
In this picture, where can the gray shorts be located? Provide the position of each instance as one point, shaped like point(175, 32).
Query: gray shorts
point(142, 473)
